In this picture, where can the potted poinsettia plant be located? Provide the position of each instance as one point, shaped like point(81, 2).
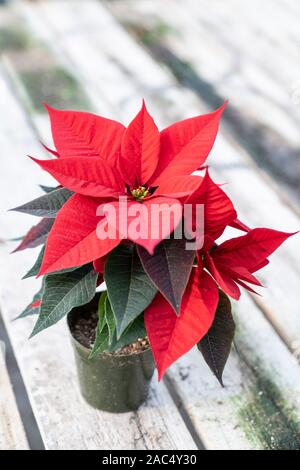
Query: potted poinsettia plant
point(130, 211)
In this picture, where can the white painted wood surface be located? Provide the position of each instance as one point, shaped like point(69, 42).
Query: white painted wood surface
point(239, 416)
point(89, 40)
point(237, 42)
point(12, 434)
point(46, 362)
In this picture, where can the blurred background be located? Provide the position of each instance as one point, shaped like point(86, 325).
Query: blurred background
point(185, 58)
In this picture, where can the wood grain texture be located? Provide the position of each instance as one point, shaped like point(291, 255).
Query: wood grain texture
point(231, 52)
point(12, 434)
point(259, 408)
point(46, 362)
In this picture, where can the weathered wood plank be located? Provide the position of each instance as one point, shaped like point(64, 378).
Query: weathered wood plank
point(223, 418)
point(46, 363)
point(216, 51)
point(237, 41)
point(81, 33)
point(12, 434)
point(259, 407)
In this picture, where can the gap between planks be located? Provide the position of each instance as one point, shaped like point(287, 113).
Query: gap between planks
point(12, 434)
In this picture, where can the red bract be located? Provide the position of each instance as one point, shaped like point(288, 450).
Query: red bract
point(73, 239)
point(186, 144)
point(218, 208)
point(77, 134)
point(99, 264)
point(100, 159)
point(140, 149)
point(36, 304)
point(171, 336)
point(234, 261)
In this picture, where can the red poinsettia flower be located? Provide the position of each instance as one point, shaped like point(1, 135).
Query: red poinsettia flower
point(112, 179)
point(99, 160)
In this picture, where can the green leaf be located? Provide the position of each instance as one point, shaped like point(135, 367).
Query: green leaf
point(63, 292)
point(110, 321)
point(215, 346)
point(102, 332)
point(29, 310)
point(129, 288)
point(101, 342)
point(132, 333)
point(47, 205)
point(37, 265)
point(101, 312)
point(169, 268)
point(47, 189)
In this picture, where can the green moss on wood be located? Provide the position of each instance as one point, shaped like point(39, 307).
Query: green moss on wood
point(14, 38)
point(268, 420)
point(54, 86)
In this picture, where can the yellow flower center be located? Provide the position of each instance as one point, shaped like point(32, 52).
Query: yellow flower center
point(140, 193)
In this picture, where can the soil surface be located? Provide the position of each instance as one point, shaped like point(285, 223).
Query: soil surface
point(84, 331)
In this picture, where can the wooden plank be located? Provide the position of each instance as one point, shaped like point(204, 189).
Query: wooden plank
point(226, 418)
point(259, 407)
point(12, 434)
point(46, 362)
point(237, 41)
point(77, 30)
point(216, 51)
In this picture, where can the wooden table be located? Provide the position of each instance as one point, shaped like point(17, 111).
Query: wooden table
point(259, 408)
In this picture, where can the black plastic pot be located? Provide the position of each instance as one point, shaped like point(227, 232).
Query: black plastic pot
point(111, 382)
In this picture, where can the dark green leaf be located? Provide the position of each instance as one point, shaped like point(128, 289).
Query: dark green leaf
point(110, 321)
point(48, 189)
point(132, 333)
point(30, 310)
point(169, 269)
point(101, 311)
point(129, 288)
point(47, 205)
point(37, 265)
point(63, 292)
point(215, 346)
point(102, 332)
point(101, 342)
